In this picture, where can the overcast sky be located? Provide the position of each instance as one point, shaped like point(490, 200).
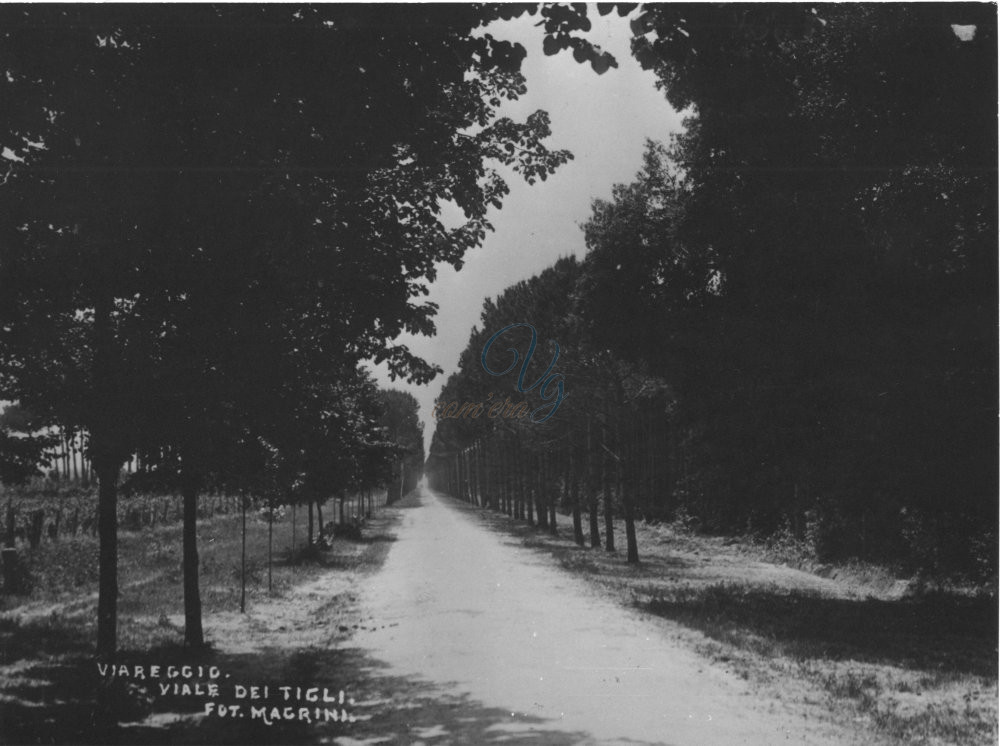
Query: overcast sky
point(604, 121)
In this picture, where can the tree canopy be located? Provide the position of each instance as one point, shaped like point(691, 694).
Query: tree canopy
point(208, 209)
point(811, 269)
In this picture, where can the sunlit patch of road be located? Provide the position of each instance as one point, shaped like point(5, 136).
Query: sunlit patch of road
point(481, 617)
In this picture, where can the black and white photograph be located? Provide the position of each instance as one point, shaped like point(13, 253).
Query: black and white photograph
point(432, 374)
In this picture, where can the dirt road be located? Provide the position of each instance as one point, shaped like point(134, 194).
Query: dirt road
point(483, 619)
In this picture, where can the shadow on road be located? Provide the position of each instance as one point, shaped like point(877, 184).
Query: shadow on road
point(49, 683)
point(56, 702)
point(938, 632)
point(51, 698)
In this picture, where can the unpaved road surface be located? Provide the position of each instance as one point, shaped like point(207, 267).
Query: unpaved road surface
point(484, 619)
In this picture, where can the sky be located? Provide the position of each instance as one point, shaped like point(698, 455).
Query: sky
point(604, 121)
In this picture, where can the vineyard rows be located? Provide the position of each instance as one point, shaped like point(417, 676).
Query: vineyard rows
point(33, 518)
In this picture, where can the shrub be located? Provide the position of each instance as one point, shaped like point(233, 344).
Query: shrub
point(17, 576)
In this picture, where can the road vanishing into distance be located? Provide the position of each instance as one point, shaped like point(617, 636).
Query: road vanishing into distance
point(478, 617)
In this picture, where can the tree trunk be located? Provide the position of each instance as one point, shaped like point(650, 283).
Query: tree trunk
point(107, 591)
point(505, 477)
point(270, 541)
point(193, 635)
point(511, 483)
point(609, 526)
point(319, 519)
point(630, 539)
point(577, 517)
point(553, 529)
point(243, 554)
point(503, 483)
point(309, 540)
point(518, 464)
point(527, 485)
point(578, 536)
point(475, 477)
point(542, 495)
point(632, 549)
point(630, 496)
point(486, 463)
point(107, 530)
point(595, 528)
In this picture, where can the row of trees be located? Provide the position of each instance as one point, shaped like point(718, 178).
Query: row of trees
point(609, 449)
point(212, 215)
point(66, 450)
point(806, 278)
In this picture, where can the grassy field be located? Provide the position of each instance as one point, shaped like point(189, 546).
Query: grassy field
point(47, 673)
point(853, 643)
point(850, 644)
point(64, 572)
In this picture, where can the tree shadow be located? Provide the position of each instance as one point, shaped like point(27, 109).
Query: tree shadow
point(341, 555)
point(939, 632)
point(52, 699)
point(48, 683)
point(377, 539)
point(412, 500)
point(385, 706)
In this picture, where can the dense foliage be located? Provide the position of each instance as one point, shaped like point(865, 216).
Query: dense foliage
point(811, 270)
point(213, 214)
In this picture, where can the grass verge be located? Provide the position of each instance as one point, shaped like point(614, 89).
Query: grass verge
point(48, 676)
point(852, 646)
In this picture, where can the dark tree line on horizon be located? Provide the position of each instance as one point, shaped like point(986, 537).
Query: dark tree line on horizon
point(787, 321)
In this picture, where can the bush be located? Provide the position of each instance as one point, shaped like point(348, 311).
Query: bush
point(784, 546)
point(350, 531)
point(684, 522)
point(264, 514)
point(17, 576)
point(306, 554)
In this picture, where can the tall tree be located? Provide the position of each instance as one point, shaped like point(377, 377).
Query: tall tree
point(170, 168)
point(823, 296)
point(402, 427)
